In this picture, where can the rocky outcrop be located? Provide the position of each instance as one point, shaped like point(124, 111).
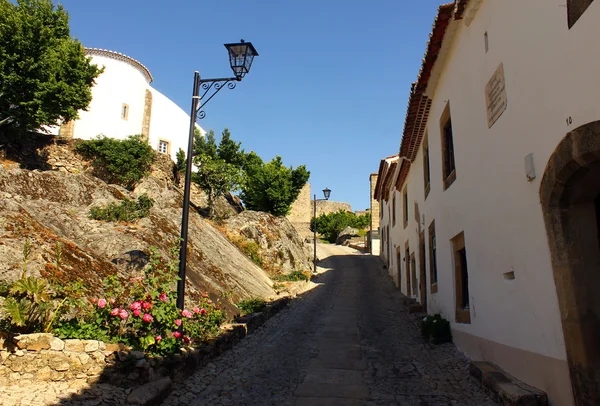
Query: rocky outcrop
point(346, 235)
point(46, 207)
point(271, 241)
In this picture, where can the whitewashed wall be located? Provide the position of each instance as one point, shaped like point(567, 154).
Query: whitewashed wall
point(125, 81)
point(551, 75)
point(170, 123)
point(120, 83)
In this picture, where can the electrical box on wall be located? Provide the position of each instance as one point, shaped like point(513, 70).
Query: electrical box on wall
point(529, 167)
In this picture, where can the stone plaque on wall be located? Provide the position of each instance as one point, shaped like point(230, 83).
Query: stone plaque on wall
point(495, 96)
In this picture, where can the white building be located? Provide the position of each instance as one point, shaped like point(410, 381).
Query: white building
point(490, 214)
point(123, 104)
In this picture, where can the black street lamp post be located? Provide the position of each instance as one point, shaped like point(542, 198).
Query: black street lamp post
point(241, 56)
point(326, 193)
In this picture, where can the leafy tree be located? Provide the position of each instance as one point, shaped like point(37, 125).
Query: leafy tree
point(125, 161)
point(181, 161)
point(230, 151)
point(330, 225)
point(271, 186)
point(215, 175)
point(45, 75)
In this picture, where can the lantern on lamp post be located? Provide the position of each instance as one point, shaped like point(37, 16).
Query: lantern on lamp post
point(241, 56)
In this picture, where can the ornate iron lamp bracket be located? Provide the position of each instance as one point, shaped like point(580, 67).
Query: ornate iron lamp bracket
point(210, 88)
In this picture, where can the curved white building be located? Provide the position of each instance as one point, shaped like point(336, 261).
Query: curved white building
point(123, 104)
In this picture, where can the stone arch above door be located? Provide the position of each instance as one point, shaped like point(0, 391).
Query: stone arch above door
point(570, 196)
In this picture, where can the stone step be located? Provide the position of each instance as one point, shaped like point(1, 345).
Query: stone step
point(505, 388)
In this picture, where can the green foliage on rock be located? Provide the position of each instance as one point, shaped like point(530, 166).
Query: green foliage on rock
point(294, 276)
point(251, 306)
point(125, 161)
point(271, 187)
point(127, 210)
point(45, 75)
point(330, 225)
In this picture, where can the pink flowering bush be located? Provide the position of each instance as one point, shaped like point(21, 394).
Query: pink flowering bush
point(143, 313)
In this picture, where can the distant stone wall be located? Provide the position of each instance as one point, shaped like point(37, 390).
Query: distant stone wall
point(327, 206)
point(375, 213)
point(302, 210)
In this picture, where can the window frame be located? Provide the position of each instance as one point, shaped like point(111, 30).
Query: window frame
point(125, 111)
point(461, 279)
point(426, 166)
point(405, 206)
point(448, 149)
point(394, 210)
point(168, 143)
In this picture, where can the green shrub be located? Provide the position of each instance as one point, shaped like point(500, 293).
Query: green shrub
point(125, 161)
point(251, 306)
point(127, 210)
point(436, 329)
point(330, 225)
point(294, 276)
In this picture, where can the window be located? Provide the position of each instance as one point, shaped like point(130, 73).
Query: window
point(426, 171)
point(487, 43)
point(575, 9)
point(405, 205)
point(163, 147)
point(125, 111)
point(394, 210)
point(433, 273)
point(461, 278)
point(448, 164)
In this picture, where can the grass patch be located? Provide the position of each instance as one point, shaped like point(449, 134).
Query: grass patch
point(251, 306)
point(294, 276)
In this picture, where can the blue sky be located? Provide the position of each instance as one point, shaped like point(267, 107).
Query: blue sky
point(329, 89)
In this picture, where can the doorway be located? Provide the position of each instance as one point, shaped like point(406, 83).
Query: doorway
point(570, 197)
point(422, 272)
point(399, 268)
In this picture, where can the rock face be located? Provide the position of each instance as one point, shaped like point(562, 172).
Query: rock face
point(46, 207)
point(271, 241)
point(346, 235)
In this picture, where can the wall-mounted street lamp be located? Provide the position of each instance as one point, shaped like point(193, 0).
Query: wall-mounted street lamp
point(326, 193)
point(241, 56)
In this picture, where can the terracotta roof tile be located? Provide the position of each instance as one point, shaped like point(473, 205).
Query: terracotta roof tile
point(419, 105)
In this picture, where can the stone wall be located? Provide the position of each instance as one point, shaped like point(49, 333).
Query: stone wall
point(302, 210)
point(61, 157)
point(43, 357)
point(327, 206)
point(375, 213)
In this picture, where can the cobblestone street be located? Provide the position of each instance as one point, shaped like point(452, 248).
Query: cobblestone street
point(347, 342)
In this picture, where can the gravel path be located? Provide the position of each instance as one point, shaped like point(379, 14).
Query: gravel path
point(347, 342)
